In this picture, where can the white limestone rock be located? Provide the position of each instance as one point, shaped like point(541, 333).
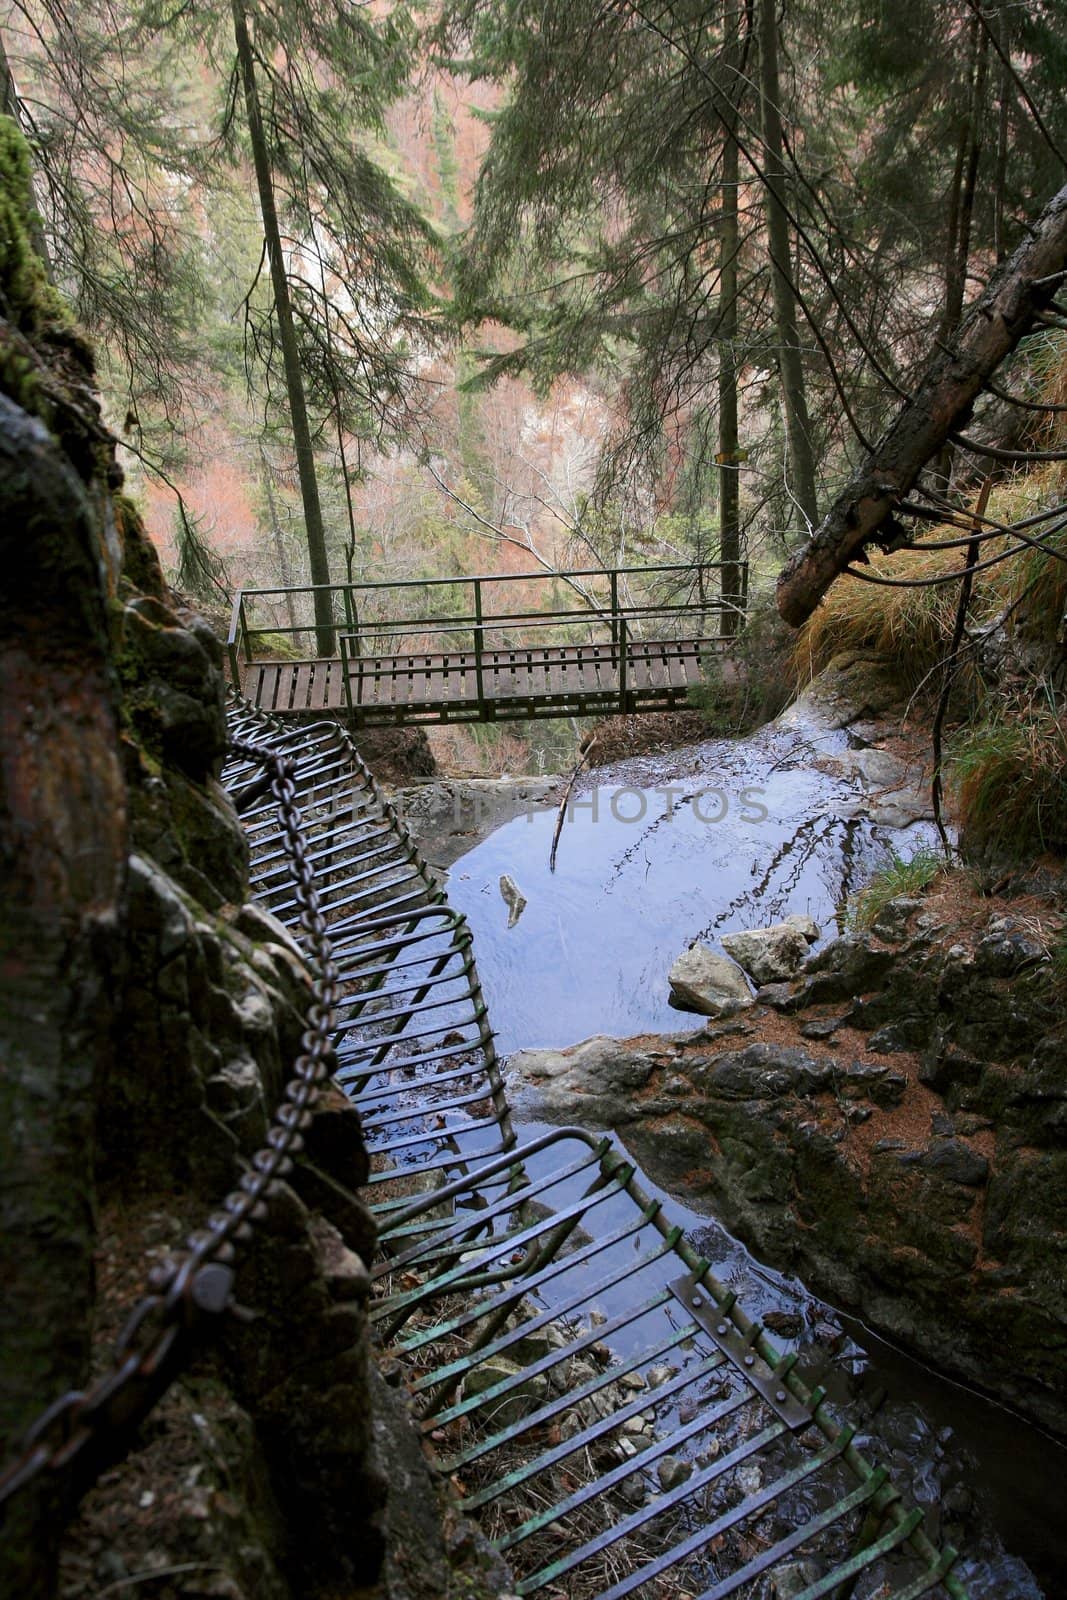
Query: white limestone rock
point(708, 983)
point(768, 955)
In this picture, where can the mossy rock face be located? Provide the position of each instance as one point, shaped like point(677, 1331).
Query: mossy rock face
point(140, 562)
point(29, 299)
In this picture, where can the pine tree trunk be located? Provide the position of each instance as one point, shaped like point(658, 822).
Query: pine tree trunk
point(283, 311)
point(965, 179)
point(729, 482)
point(794, 400)
point(284, 570)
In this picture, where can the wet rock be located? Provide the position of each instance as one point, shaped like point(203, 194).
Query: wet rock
point(895, 1038)
point(861, 1077)
point(1006, 949)
point(444, 816)
point(424, 1546)
point(900, 809)
point(543, 1342)
point(235, 1094)
point(821, 1027)
point(661, 1375)
point(703, 981)
point(946, 1069)
point(633, 1491)
point(878, 768)
point(513, 897)
point(780, 996)
point(763, 1072)
point(891, 923)
point(887, 1091)
point(854, 685)
point(600, 1074)
point(958, 1163)
point(172, 664)
point(805, 925)
point(672, 1471)
point(846, 967)
point(343, 1271)
point(517, 1402)
point(790, 1579)
point(768, 955)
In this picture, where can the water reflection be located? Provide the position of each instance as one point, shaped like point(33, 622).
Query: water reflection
point(644, 869)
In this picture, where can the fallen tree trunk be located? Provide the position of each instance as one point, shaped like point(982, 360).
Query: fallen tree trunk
point(1023, 287)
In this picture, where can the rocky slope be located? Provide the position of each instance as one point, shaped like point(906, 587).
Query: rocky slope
point(891, 1124)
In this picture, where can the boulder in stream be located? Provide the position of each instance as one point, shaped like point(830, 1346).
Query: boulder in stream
point(707, 983)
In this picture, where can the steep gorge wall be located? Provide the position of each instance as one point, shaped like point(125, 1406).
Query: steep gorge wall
point(150, 1013)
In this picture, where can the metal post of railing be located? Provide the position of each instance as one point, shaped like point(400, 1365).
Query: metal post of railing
point(244, 630)
point(622, 647)
point(346, 662)
point(614, 608)
point(231, 640)
point(478, 641)
point(352, 617)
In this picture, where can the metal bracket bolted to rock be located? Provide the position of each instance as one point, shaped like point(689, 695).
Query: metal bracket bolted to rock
point(710, 984)
point(770, 955)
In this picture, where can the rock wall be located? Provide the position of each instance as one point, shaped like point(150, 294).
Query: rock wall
point(150, 1015)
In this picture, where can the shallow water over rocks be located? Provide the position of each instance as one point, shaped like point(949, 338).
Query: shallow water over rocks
point(750, 832)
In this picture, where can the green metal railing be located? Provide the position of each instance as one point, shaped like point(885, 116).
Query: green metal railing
point(462, 605)
point(479, 638)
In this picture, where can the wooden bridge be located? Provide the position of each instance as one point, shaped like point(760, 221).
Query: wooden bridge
point(633, 641)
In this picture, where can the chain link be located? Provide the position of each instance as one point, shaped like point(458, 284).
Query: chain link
point(83, 1431)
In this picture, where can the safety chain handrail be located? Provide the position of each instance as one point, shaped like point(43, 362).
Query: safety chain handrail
point(84, 1431)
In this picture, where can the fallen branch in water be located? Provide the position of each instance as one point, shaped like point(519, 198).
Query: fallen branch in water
point(586, 752)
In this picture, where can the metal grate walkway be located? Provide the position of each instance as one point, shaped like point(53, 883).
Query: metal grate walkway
point(601, 1402)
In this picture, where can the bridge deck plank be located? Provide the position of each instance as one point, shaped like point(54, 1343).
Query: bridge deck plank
point(333, 685)
point(446, 683)
point(268, 687)
point(302, 689)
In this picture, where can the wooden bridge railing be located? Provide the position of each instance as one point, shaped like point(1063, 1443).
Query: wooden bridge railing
point(357, 609)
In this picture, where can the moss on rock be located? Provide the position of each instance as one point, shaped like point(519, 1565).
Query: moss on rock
point(30, 301)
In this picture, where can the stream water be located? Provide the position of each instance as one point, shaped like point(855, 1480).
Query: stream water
point(727, 836)
point(748, 832)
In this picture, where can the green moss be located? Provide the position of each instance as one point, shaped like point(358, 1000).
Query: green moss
point(140, 563)
point(29, 299)
point(18, 376)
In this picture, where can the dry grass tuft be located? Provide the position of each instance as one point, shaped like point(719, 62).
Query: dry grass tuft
point(1010, 780)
